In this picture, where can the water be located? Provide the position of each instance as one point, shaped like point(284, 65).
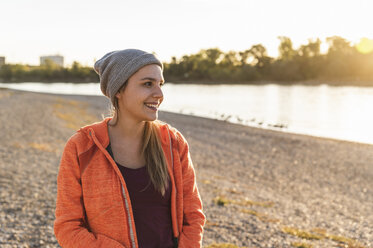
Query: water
point(327, 111)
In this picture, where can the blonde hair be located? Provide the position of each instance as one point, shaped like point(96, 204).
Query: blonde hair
point(151, 150)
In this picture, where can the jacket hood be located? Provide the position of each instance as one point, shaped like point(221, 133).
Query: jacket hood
point(100, 131)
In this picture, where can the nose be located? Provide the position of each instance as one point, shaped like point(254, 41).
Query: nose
point(158, 93)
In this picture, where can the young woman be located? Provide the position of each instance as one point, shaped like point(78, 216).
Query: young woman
point(128, 181)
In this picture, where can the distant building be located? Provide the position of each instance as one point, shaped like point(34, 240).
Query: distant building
point(57, 59)
point(2, 61)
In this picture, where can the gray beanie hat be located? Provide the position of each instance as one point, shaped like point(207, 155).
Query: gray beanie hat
point(116, 67)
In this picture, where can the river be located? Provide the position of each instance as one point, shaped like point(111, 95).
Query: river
point(340, 112)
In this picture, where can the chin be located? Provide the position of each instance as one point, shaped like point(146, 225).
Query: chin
point(153, 118)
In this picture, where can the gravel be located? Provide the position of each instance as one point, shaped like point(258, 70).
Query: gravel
point(270, 184)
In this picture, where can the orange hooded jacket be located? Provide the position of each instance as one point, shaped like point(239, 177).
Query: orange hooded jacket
point(93, 206)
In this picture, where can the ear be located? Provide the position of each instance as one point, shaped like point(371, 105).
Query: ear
point(118, 95)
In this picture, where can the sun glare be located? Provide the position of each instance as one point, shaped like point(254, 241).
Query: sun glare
point(365, 46)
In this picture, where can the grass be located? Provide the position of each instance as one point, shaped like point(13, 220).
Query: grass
point(351, 243)
point(314, 234)
point(74, 113)
point(319, 234)
point(210, 223)
point(42, 147)
point(301, 245)
point(319, 231)
point(302, 234)
point(234, 191)
point(17, 145)
point(266, 204)
point(223, 201)
point(225, 245)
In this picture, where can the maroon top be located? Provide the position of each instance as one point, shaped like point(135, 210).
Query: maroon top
point(151, 210)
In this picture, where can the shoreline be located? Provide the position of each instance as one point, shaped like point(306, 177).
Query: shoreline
point(260, 188)
point(268, 127)
point(334, 83)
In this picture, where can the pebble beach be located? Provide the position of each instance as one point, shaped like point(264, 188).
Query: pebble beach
point(260, 188)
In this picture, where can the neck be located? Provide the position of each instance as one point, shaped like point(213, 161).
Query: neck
point(128, 129)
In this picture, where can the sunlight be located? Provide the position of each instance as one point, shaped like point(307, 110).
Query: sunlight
point(365, 46)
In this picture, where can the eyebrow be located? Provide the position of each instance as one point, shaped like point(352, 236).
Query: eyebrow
point(151, 79)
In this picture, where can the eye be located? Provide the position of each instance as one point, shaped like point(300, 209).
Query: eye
point(149, 83)
point(161, 84)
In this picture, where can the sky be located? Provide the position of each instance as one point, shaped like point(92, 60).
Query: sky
point(84, 31)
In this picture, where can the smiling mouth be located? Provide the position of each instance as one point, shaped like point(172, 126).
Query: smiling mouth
point(151, 106)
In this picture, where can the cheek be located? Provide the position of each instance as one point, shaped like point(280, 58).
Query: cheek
point(134, 101)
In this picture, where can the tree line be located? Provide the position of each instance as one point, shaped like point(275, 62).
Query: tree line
point(48, 72)
point(342, 63)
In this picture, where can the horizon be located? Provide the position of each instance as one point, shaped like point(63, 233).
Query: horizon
point(364, 45)
point(171, 28)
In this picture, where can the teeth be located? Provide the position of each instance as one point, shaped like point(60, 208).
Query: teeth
point(152, 105)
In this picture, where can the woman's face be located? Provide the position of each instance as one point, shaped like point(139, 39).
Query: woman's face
point(142, 96)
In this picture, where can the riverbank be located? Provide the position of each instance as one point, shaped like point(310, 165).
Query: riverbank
point(359, 83)
point(260, 188)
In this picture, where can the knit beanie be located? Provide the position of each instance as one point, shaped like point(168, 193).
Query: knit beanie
point(116, 67)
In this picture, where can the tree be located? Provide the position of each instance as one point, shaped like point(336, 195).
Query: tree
point(338, 45)
point(309, 59)
point(259, 54)
point(285, 49)
point(213, 55)
point(340, 60)
point(312, 49)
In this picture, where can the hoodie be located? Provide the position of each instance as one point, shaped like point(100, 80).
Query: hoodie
point(93, 207)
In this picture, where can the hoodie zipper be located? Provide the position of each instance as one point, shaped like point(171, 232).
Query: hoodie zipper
point(122, 188)
point(172, 166)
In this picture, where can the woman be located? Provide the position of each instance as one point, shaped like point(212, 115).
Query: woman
point(128, 181)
